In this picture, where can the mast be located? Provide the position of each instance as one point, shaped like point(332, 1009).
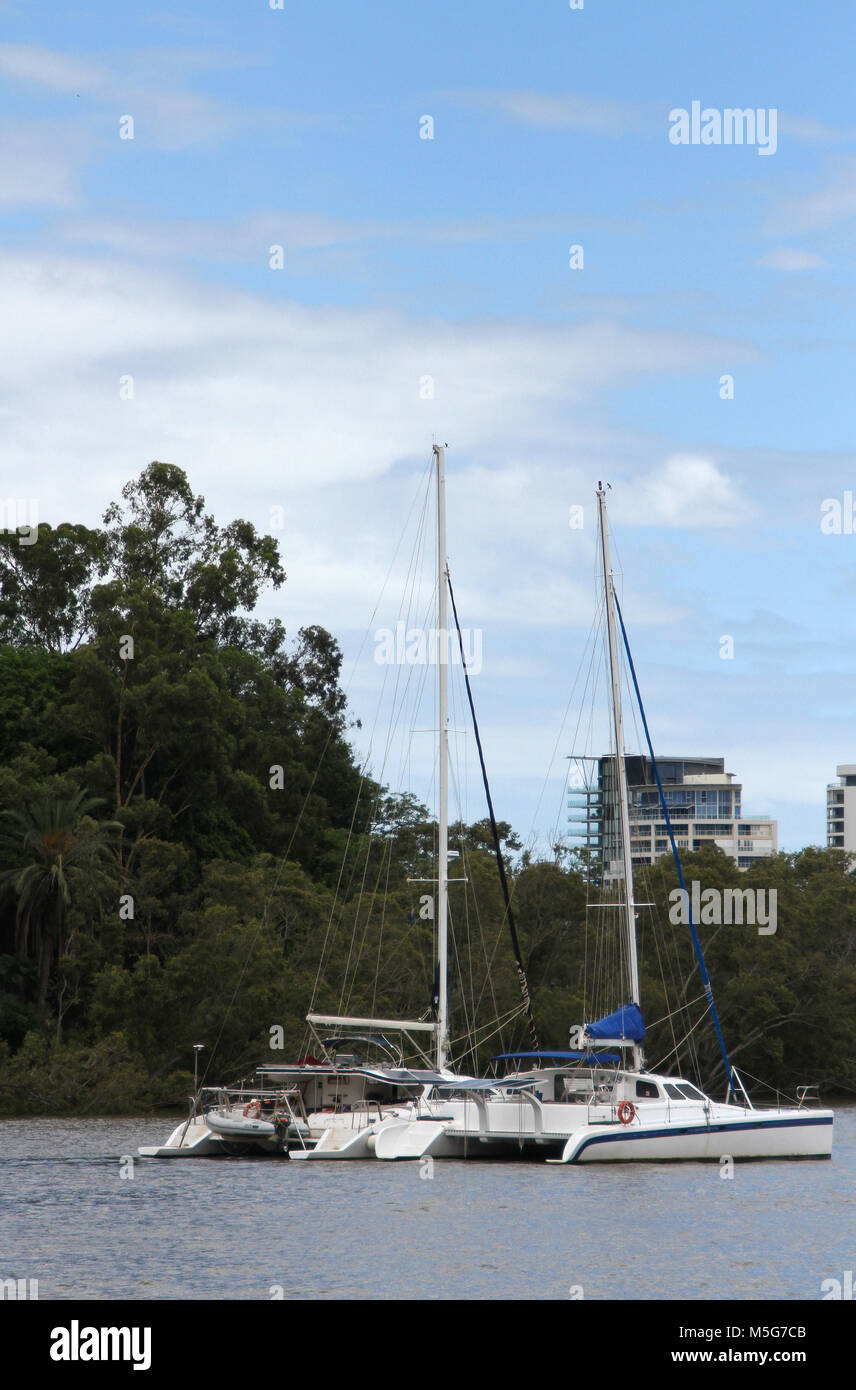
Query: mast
point(620, 768)
point(443, 767)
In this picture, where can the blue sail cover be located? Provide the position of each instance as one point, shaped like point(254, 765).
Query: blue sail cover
point(626, 1022)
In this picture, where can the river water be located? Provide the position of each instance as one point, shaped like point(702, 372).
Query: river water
point(265, 1228)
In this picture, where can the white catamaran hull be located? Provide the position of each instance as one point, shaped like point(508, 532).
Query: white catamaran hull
point(190, 1139)
point(748, 1136)
point(516, 1127)
point(724, 1132)
point(348, 1134)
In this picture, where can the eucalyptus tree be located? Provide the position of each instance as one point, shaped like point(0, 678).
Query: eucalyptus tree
point(46, 587)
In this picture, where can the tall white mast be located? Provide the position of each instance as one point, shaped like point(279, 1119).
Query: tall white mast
point(443, 768)
point(620, 768)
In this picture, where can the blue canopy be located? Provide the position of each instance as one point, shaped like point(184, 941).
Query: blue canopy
point(590, 1058)
point(626, 1022)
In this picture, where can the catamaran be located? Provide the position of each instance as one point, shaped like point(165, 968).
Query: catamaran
point(291, 1108)
point(335, 1104)
point(598, 1102)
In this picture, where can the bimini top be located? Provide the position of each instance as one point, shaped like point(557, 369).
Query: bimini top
point(627, 1022)
point(590, 1059)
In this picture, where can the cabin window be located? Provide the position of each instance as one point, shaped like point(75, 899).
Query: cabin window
point(647, 1090)
point(690, 1092)
point(673, 1091)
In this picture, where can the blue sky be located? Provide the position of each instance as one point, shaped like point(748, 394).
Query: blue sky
point(448, 257)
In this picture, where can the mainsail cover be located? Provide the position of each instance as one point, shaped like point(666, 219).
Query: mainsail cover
point(626, 1022)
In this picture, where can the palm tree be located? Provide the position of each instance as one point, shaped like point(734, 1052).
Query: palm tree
point(54, 851)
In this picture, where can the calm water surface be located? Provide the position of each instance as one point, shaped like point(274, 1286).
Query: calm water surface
point(232, 1229)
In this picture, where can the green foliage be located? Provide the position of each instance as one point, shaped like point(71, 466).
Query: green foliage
point(145, 716)
point(58, 853)
point(46, 1078)
point(46, 586)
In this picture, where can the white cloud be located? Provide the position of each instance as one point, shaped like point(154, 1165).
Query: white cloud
point(268, 403)
point(565, 111)
point(685, 491)
point(791, 258)
point(827, 206)
point(324, 393)
point(43, 67)
point(41, 164)
point(812, 131)
point(250, 238)
point(148, 86)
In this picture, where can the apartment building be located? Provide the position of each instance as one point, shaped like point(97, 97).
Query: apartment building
point(841, 809)
point(705, 807)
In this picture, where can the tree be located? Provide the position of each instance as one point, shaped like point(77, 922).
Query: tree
point(46, 587)
point(53, 850)
point(164, 543)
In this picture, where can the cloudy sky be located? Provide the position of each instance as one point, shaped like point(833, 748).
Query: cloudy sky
point(302, 386)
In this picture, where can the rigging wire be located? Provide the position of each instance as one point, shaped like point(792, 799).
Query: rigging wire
point(263, 921)
point(509, 913)
point(667, 818)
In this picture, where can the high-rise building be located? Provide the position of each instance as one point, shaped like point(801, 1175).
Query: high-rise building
point(705, 807)
point(841, 809)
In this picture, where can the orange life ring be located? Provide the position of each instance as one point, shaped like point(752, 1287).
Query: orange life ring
point(626, 1111)
point(255, 1106)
